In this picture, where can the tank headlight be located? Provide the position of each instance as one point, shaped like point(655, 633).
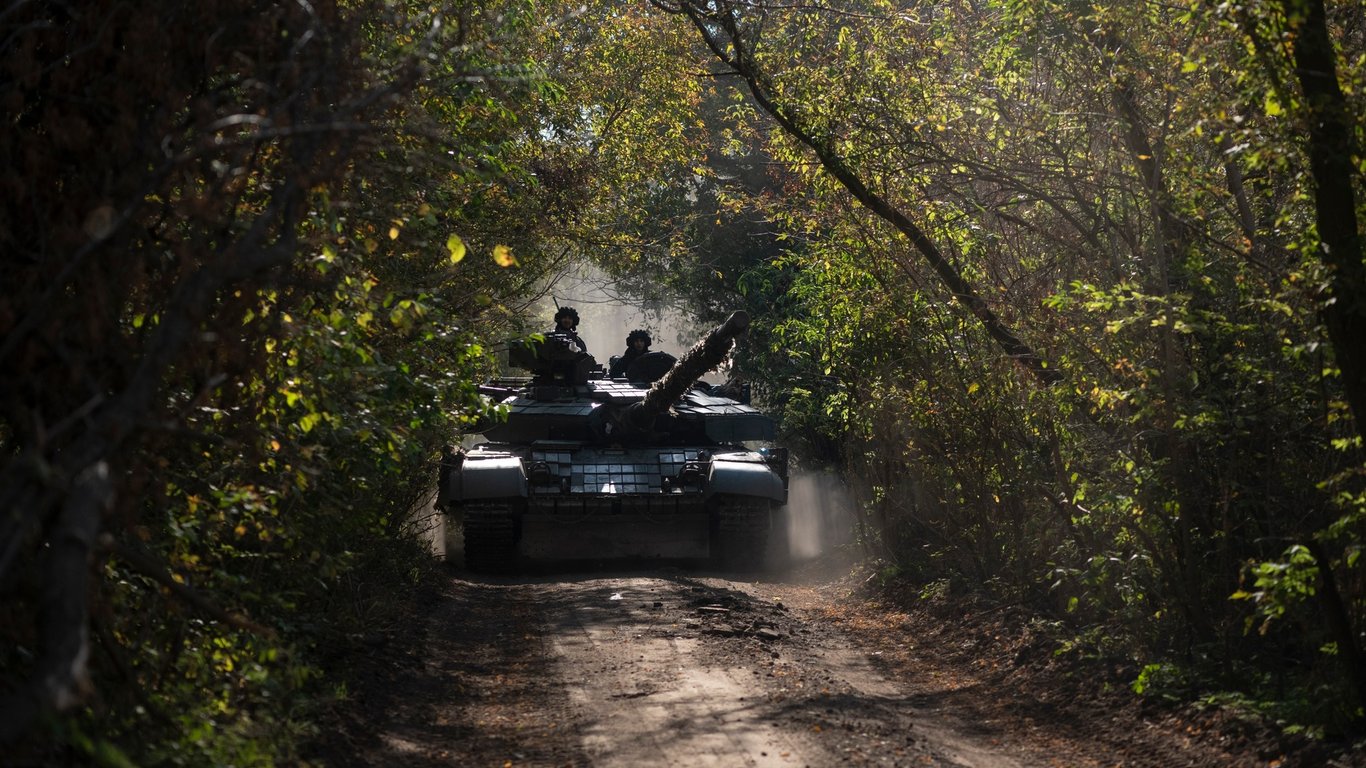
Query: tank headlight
point(540, 474)
point(692, 473)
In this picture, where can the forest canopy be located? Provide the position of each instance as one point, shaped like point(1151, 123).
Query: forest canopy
point(1071, 296)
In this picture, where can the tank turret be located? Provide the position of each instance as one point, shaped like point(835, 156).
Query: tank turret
point(637, 419)
point(617, 467)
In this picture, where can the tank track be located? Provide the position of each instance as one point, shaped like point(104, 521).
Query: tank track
point(490, 536)
point(740, 529)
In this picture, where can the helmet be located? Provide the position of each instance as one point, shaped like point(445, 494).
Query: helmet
point(567, 312)
point(639, 333)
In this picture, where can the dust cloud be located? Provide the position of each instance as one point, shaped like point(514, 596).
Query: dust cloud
point(820, 515)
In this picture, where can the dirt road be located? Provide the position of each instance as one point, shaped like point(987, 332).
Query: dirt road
point(686, 669)
point(669, 669)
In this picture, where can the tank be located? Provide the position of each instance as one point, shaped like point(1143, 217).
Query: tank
point(650, 466)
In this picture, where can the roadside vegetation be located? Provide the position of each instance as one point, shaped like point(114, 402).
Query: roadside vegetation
point(1071, 295)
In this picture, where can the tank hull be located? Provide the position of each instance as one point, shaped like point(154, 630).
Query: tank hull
point(559, 501)
point(602, 529)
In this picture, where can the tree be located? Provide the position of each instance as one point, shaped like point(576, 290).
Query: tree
point(1124, 181)
point(735, 41)
point(1333, 128)
point(152, 190)
point(230, 349)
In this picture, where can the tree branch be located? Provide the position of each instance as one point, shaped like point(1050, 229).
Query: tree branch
point(742, 60)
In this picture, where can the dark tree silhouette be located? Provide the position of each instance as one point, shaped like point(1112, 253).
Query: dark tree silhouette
point(156, 177)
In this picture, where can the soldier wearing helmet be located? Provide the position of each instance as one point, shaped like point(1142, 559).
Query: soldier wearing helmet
point(637, 344)
point(566, 327)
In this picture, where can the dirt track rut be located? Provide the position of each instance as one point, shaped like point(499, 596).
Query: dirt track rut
point(707, 672)
point(671, 669)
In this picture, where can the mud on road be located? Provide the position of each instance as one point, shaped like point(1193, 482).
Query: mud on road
point(687, 669)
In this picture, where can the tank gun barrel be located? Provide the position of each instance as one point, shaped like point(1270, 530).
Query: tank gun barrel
point(705, 355)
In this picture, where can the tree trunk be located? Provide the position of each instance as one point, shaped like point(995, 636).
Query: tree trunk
point(1329, 124)
point(1339, 623)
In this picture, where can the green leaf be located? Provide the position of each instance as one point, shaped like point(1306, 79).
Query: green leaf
point(456, 246)
point(309, 421)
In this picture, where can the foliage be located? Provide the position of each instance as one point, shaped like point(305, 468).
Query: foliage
point(240, 326)
point(1128, 186)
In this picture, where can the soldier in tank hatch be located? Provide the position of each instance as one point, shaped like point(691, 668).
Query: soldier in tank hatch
point(567, 325)
point(637, 343)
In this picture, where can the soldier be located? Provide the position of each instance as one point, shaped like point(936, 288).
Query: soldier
point(566, 327)
point(637, 343)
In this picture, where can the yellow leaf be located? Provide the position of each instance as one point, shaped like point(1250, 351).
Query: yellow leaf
point(502, 256)
point(371, 245)
point(457, 248)
point(1273, 107)
point(393, 233)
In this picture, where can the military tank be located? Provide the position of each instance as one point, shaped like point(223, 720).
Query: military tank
point(652, 465)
